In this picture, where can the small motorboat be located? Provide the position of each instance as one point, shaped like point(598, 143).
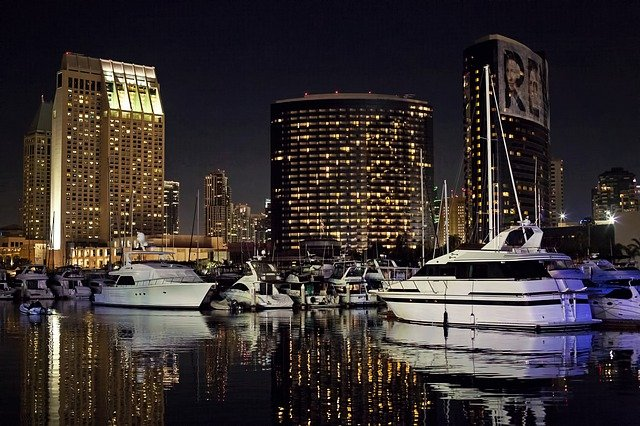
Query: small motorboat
point(34, 308)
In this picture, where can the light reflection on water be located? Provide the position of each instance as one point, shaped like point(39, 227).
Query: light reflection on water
point(128, 366)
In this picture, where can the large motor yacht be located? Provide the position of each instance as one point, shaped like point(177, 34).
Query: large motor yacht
point(151, 279)
point(505, 284)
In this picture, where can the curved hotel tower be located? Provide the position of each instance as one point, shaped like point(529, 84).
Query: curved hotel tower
point(521, 88)
point(107, 151)
point(347, 166)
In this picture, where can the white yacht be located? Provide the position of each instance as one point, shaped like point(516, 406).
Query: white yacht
point(151, 279)
point(310, 293)
point(67, 284)
point(352, 287)
point(505, 284)
point(603, 272)
point(32, 280)
point(256, 289)
point(614, 294)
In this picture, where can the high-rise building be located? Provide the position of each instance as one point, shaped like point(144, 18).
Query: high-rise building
point(217, 204)
point(615, 193)
point(36, 175)
point(556, 189)
point(242, 229)
point(519, 83)
point(262, 226)
point(107, 151)
point(456, 219)
point(171, 207)
point(348, 167)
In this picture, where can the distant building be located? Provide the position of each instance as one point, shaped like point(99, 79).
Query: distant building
point(556, 197)
point(262, 228)
point(347, 167)
point(217, 205)
point(242, 229)
point(457, 219)
point(107, 152)
point(36, 175)
point(171, 207)
point(520, 79)
point(616, 192)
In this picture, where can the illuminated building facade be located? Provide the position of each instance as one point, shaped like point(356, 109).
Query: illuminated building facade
point(456, 218)
point(615, 193)
point(520, 79)
point(171, 207)
point(217, 205)
point(107, 156)
point(36, 175)
point(242, 228)
point(347, 166)
point(556, 188)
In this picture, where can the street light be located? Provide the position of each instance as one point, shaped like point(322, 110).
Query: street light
point(611, 218)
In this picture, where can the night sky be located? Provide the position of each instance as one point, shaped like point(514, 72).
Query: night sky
point(220, 65)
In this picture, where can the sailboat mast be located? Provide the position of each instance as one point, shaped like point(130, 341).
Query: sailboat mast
point(487, 105)
point(422, 204)
point(446, 213)
point(535, 191)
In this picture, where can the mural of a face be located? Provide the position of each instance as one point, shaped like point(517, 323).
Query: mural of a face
point(513, 73)
point(535, 92)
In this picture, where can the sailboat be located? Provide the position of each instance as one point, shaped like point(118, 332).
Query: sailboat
point(505, 284)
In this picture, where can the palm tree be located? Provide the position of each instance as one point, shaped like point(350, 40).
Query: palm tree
point(633, 250)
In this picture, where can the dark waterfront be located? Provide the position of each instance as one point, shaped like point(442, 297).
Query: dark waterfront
point(127, 366)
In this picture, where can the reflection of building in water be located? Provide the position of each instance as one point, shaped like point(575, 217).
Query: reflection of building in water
point(34, 392)
point(83, 369)
point(318, 378)
point(247, 339)
point(618, 354)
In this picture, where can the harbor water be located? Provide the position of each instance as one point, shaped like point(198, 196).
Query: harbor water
point(99, 365)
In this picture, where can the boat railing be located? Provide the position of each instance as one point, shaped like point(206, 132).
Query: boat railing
point(164, 280)
point(398, 285)
point(397, 273)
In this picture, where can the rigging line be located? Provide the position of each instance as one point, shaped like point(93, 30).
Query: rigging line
point(440, 214)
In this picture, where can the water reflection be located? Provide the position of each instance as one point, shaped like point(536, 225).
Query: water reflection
point(125, 366)
point(506, 377)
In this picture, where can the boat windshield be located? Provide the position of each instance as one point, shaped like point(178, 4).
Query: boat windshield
point(554, 265)
point(356, 271)
point(526, 269)
point(150, 256)
point(263, 267)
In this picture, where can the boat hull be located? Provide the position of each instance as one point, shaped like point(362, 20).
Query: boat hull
point(618, 310)
point(559, 311)
point(259, 301)
point(359, 299)
point(169, 295)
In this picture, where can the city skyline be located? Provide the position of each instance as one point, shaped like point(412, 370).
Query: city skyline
point(223, 65)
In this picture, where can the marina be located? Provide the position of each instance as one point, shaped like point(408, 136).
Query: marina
point(394, 229)
point(98, 364)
